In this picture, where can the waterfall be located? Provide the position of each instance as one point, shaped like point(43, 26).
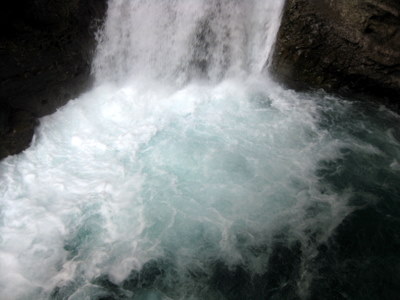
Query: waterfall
point(186, 173)
point(178, 41)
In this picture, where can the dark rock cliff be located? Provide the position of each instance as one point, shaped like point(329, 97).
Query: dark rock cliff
point(46, 47)
point(345, 46)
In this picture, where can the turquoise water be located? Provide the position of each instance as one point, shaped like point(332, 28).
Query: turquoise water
point(186, 173)
point(241, 190)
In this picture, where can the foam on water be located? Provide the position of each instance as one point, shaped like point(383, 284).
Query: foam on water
point(185, 173)
point(125, 175)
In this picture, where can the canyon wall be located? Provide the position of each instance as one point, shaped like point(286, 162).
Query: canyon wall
point(46, 48)
point(347, 47)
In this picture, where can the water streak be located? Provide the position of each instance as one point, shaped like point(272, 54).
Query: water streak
point(181, 40)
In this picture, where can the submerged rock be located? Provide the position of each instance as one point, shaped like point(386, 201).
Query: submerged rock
point(46, 49)
point(343, 46)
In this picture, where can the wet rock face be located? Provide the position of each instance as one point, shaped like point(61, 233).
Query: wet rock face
point(343, 46)
point(46, 47)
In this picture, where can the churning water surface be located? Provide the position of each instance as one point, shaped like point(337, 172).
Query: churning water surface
point(187, 173)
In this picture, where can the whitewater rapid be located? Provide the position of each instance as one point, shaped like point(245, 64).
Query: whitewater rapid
point(186, 173)
point(125, 175)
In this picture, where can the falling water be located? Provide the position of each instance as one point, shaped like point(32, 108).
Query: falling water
point(186, 173)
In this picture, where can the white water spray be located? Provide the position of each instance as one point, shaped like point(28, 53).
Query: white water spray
point(182, 153)
point(183, 40)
